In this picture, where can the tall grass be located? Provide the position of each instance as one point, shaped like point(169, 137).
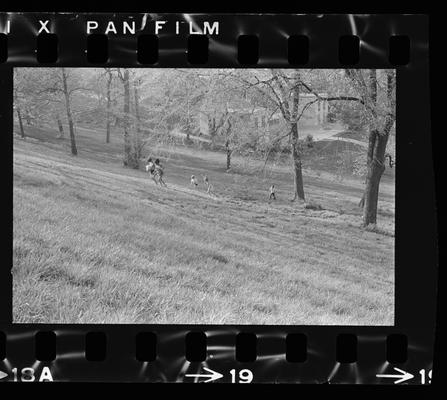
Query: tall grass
point(96, 243)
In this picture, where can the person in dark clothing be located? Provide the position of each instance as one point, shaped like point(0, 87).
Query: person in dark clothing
point(158, 173)
point(150, 167)
point(272, 193)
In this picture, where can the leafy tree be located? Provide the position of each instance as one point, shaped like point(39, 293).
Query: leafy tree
point(377, 91)
point(282, 88)
point(51, 92)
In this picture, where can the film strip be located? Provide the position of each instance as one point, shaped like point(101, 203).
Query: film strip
point(393, 346)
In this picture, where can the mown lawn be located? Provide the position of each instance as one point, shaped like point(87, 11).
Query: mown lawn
point(97, 243)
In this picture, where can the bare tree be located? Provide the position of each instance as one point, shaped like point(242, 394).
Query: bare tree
point(67, 93)
point(227, 144)
point(52, 92)
point(60, 126)
point(28, 115)
point(283, 90)
point(19, 98)
point(138, 142)
point(109, 74)
point(19, 113)
point(131, 157)
point(19, 116)
point(126, 110)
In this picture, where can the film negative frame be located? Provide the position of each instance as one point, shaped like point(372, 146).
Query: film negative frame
point(402, 353)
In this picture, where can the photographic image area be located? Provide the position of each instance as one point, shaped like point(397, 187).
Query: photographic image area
point(204, 196)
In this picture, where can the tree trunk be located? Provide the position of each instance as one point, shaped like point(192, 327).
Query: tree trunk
point(227, 143)
point(294, 142)
point(108, 130)
point(28, 116)
point(188, 116)
point(296, 163)
point(212, 130)
point(127, 160)
point(188, 126)
point(375, 168)
point(138, 144)
point(137, 106)
point(369, 159)
point(74, 149)
point(22, 131)
point(227, 147)
point(109, 101)
point(376, 150)
point(60, 126)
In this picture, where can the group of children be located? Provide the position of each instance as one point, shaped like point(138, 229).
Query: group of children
point(156, 171)
point(206, 181)
point(194, 183)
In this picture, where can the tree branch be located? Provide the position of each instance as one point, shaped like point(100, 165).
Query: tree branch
point(348, 98)
point(276, 141)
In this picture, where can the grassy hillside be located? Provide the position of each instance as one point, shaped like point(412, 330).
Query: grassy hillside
point(97, 243)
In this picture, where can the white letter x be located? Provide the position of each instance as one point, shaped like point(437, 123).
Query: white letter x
point(43, 26)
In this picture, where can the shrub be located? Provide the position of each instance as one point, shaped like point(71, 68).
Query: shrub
point(311, 205)
point(309, 141)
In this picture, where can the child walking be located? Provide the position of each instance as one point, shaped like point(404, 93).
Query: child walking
point(272, 193)
point(159, 172)
point(150, 167)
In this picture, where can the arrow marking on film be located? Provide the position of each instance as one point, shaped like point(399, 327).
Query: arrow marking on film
point(3, 375)
point(405, 376)
point(212, 376)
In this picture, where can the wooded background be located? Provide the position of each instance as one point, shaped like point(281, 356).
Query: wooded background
point(153, 106)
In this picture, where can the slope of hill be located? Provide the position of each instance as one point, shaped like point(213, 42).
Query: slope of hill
point(97, 243)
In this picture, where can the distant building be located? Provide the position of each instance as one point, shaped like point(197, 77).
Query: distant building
point(314, 116)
